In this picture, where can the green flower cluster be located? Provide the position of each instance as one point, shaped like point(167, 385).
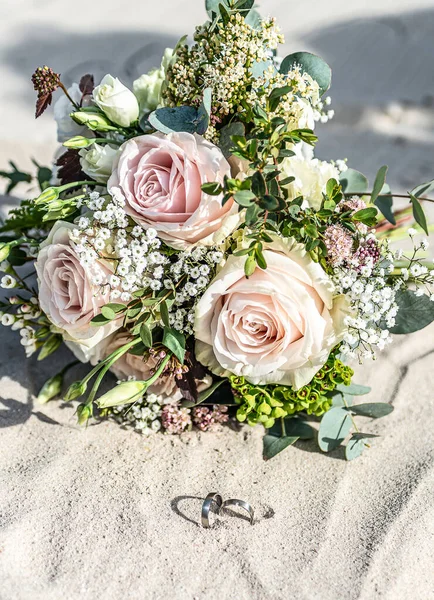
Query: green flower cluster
point(265, 404)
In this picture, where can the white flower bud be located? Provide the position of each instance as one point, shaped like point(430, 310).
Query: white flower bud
point(116, 101)
point(98, 161)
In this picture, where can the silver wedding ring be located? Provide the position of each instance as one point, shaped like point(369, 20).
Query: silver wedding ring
point(215, 498)
point(241, 504)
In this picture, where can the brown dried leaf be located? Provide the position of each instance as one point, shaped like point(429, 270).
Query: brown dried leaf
point(42, 103)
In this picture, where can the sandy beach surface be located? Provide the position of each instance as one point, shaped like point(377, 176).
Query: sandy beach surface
point(105, 513)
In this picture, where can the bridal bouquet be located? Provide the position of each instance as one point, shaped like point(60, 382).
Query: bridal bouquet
point(189, 241)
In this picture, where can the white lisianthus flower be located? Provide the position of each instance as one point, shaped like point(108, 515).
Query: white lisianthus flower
point(67, 127)
point(277, 327)
point(147, 87)
point(98, 161)
point(116, 101)
point(311, 176)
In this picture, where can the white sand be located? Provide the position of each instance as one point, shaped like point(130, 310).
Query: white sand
point(104, 513)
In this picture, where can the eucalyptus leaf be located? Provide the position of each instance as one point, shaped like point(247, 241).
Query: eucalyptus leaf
point(354, 448)
point(225, 142)
point(204, 112)
point(272, 445)
point(315, 66)
point(423, 189)
point(379, 182)
point(415, 312)
point(353, 389)
point(418, 213)
point(334, 428)
point(354, 182)
point(385, 204)
point(375, 410)
point(180, 118)
point(253, 19)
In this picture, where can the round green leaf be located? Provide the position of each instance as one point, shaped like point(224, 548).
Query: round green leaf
point(375, 410)
point(315, 66)
point(354, 182)
point(272, 445)
point(415, 312)
point(334, 428)
point(354, 448)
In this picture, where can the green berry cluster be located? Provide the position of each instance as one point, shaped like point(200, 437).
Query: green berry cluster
point(265, 404)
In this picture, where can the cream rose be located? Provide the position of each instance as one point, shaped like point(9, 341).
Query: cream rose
point(130, 365)
point(161, 177)
point(311, 176)
point(278, 326)
point(98, 161)
point(116, 101)
point(67, 295)
point(147, 87)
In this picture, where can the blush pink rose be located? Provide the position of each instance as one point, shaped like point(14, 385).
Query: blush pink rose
point(278, 326)
point(67, 295)
point(130, 365)
point(161, 177)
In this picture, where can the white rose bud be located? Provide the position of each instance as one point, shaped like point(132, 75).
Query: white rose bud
point(147, 87)
point(116, 101)
point(98, 161)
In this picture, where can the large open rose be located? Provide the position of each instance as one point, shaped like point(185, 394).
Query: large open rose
point(278, 326)
point(67, 295)
point(161, 177)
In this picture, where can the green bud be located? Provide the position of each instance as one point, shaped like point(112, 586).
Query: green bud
point(51, 388)
point(93, 121)
point(124, 393)
point(5, 250)
point(84, 413)
point(278, 412)
point(264, 408)
point(75, 390)
point(49, 195)
point(78, 141)
point(268, 424)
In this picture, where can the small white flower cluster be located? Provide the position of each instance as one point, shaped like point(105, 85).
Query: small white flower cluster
point(139, 262)
point(26, 314)
point(415, 272)
point(190, 275)
point(144, 416)
point(373, 306)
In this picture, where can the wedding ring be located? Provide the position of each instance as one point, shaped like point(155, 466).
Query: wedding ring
point(241, 504)
point(215, 498)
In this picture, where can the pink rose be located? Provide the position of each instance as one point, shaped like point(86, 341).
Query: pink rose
point(67, 295)
point(161, 177)
point(130, 365)
point(278, 326)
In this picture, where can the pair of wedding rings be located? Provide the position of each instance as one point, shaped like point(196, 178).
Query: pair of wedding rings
point(215, 499)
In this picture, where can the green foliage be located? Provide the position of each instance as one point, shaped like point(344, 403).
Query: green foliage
point(379, 182)
point(418, 213)
point(265, 404)
point(315, 66)
point(334, 428)
point(175, 341)
point(385, 203)
point(415, 312)
point(183, 118)
point(354, 182)
point(15, 177)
